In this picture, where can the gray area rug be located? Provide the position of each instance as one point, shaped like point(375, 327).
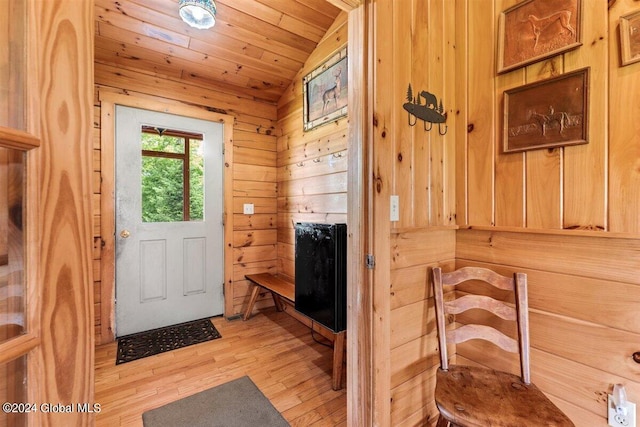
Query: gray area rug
point(238, 403)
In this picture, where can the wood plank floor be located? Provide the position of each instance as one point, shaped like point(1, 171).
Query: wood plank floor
point(276, 351)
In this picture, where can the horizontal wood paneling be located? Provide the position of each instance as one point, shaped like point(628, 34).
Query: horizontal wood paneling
point(312, 165)
point(584, 317)
point(413, 340)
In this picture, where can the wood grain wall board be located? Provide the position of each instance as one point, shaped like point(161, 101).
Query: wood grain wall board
point(330, 144)
point(408, 248)
point(543, 177)
point(254, 222)
point(583, 256)
point(481, 26)
point(242, 269)
point(623, 135)
point(254, 238)
point(64, 31)
point(121, 78)
point(253, 156)
point(412, 321)
point(509, 168)
point(292, 133)
point(414, 395)
point(333, 183)
point(328, 164)
point(248, 172)
point(254, 139)
point(591, 157)
point(254, 253)
point(329, 203)
point(261, 205)
point(402, 176)
point(382, 166)
point(579, 297)
point(413, 284)
point(254, 189)
point(413, 358)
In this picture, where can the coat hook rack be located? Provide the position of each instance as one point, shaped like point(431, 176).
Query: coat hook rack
point(430, 112)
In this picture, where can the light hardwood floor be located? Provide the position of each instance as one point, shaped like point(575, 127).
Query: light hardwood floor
point(276, 351)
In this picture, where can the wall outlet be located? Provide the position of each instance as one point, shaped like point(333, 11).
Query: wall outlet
point(395, 208)
point(248, 208)
point(619, 420)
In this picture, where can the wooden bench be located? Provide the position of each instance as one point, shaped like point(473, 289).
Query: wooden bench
point(281, 288)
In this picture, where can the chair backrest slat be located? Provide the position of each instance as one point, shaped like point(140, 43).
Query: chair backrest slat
point(468, 302)
point(516, 284)
point(483, 332)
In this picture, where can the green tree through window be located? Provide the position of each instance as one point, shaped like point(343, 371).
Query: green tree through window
point(172, 176)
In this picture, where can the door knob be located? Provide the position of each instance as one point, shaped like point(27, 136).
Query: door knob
point(124, 234)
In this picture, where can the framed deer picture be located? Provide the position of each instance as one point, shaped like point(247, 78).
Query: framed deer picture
point(547, 113)
point(325, 92)
point(533, 30)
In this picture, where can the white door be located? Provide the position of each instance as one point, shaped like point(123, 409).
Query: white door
point(169, 265)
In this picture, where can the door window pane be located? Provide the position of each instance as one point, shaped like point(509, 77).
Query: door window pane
point(12, 307)
point(196, 177)
point(172, 175)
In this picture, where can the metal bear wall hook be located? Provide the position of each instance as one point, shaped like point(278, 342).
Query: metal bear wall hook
point(430, 111)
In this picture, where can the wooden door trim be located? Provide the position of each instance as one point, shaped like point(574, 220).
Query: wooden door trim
point(359, 211)
point(108, 101)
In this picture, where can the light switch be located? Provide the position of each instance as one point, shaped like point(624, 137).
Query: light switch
point(248, 208)
point(395, 208)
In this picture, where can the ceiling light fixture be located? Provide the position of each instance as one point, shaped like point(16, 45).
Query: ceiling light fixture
point(199, 14)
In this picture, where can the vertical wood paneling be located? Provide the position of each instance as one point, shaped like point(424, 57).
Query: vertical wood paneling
point(578, 186)
point(623, 170)
point(383, 165)
point(66, 355)
point(481, 137)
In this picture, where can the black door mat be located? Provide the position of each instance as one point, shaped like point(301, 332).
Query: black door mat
point(144, 344)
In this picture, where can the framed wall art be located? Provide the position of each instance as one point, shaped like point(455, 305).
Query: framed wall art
point(549, 113)
point(630, 38)
point(537, 29)
point(325, 92)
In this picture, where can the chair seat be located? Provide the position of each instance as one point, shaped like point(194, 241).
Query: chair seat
point(471, 396)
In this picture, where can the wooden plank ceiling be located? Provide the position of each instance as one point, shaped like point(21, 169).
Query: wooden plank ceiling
point(254, 50)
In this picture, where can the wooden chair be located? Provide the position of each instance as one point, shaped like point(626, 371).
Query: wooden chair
point(475, 396)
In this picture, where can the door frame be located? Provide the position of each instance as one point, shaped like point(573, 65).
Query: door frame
point(108, 101)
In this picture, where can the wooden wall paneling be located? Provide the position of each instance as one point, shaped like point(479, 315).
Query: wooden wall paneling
point(420, 57)
point(584, 255)
point(461, 122)
point(452, 108)
point(578, 297)
point(124, 78)
point(401, 134)
point(437, 59)
point(578, 186)
point(579, 325)
point(544, 167)
point(383, 180)
point(622, 201)
point(65, 54)
point(410, 397)
point(510, 168)
point(481, 26)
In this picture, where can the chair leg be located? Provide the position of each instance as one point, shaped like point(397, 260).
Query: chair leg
point(442, 422)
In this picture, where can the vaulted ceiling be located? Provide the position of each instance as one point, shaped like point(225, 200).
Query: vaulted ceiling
point(256, 46)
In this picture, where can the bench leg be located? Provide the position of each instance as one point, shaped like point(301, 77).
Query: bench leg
point(338, 357)
point(252, 301)
point(277, 301)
